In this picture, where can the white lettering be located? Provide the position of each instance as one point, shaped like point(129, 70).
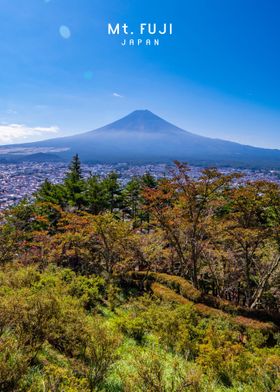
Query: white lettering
point(112, 30)
point(142, 27)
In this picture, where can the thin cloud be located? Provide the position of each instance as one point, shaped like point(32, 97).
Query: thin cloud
point(11, 111)
point(13, 133)
point(117, 95)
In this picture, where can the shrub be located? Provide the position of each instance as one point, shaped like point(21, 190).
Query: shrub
point(101, 352)
point(151, 369)
point(14, 361)
point(88, 290)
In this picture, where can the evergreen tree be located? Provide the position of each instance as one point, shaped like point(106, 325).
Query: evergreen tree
point(51, 193)
point(132, 196)
point(112, 191)
point(133, 199)
point(95, 195)
point(148, 181)
point(74, 174)
point(74, 183)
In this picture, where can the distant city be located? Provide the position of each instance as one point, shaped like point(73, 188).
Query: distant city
point(21, 180)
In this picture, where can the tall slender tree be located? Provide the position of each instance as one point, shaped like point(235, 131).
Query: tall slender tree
point(74, 183)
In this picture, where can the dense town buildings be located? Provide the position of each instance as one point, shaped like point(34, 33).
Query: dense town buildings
point(21, 180)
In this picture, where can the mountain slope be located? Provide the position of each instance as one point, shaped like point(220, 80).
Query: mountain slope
point(144, 137)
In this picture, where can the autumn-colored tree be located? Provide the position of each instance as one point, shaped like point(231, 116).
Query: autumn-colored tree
point(184, 208)
point(251, 240)
point(222, 236)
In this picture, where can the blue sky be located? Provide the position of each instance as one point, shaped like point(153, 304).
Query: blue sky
point(218, 75)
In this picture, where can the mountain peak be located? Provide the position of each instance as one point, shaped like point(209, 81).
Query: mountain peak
point(142, 121)
point(144, 137)
point(139, 111)
point(142, 112)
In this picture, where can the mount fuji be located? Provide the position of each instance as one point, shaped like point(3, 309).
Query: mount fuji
point(143, 137)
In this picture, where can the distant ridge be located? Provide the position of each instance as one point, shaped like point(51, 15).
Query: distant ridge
point(143, 137)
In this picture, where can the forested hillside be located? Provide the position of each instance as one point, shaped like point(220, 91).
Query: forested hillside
point(159, 285)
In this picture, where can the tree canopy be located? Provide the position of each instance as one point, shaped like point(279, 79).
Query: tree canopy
point(155, 285)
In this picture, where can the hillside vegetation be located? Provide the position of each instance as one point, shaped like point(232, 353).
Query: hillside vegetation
point(163, 286)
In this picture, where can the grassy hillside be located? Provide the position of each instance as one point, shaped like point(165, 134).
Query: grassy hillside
point(61, 331)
